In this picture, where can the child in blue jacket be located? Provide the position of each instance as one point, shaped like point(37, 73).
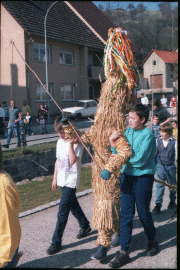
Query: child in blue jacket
point(166, 169)
point(136, 183)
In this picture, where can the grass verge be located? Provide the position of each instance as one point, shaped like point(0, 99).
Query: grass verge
point(18, 152)
point(36, 193)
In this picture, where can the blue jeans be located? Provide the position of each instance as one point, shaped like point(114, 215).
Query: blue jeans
point(16, 131)
point(165, 173)
point(11, 264)
point(28, 129)
point(135, 190)
point(68, 203)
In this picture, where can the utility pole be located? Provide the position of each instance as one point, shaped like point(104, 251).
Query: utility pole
point(46, 62)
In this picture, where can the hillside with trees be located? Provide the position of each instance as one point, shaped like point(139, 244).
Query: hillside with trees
point(147, 29)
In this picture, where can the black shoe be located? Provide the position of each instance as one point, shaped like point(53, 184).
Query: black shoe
point(53, 249)
point(115, 242)
point(157, 209)
point(101, 253)
point(152, 248)
point(120, 260)
point(5, 145)
point(83, 232)
point(172, 205)
point(18, 145)
point(42, 133)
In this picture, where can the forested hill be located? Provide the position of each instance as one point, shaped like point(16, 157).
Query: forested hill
point(147, 29)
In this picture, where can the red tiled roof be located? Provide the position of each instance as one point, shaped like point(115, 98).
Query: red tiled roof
point(62, 23)
point(166, 56)
point(97, 19)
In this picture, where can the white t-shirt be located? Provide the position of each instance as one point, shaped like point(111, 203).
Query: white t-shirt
point(144, 100)
point(27, 118)
point(164, 101)
point(68, 175)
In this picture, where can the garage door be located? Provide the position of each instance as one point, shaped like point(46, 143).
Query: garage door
point(156, 81)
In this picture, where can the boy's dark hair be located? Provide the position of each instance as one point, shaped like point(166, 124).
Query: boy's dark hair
point(57, 124)
point(156, 115)
point(142, 111)
point(4, 102)
point(167, 127)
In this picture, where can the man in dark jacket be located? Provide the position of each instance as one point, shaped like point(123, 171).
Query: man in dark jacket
point(13, 124)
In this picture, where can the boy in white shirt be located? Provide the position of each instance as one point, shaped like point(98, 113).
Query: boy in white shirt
point(67, 175)
point(28, 124)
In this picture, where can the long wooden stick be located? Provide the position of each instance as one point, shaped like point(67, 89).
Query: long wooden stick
point(56, 105)
point(165, 184)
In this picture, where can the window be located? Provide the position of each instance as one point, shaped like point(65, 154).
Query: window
point(67, 92)
point(154, 62)
point(93, 104)
point(39, 52)
point(41, 94)
point(66, 57)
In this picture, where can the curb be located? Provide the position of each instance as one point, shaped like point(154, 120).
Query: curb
point(51, 204)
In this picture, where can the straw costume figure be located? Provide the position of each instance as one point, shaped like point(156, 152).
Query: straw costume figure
point(121, 77)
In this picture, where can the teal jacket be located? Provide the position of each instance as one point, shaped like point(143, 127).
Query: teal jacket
point(143, 146)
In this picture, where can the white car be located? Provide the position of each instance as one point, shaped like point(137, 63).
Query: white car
point(83, 108)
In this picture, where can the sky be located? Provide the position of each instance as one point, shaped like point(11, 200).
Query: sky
point(124, 4)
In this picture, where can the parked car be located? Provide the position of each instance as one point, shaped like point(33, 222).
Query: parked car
point(83, 108)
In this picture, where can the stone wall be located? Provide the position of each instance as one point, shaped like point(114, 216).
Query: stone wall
point(35, 165)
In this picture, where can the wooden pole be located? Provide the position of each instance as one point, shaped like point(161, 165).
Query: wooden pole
point(152, 108)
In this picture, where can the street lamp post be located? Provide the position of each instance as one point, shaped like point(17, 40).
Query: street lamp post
point(46, 62)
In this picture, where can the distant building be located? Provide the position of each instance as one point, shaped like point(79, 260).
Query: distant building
point(160, 68)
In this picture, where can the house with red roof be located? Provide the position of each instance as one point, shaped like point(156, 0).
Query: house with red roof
point(77, 32)
point(160, 69)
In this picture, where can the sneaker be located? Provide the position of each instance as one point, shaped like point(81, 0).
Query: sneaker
point(120, 260)
point(157, 209)
point(152, 248)
point(115, 242)
point(5, 145)
point(42, 133)
point(18, 145)
point(101, 253)
point(53, 249)
point(172, 205)
point(83, 232)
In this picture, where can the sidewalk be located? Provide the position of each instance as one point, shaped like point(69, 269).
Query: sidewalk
point(38, 228)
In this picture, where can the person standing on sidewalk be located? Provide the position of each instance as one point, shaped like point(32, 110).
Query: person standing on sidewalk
point(10, 230)
point(164, 115)
point(144, 100)
point(166, 169)
point(13, 124)
point(41, 117)
point(22, 128)
point(67, 175)
point(26, 108)
point(136, 183)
